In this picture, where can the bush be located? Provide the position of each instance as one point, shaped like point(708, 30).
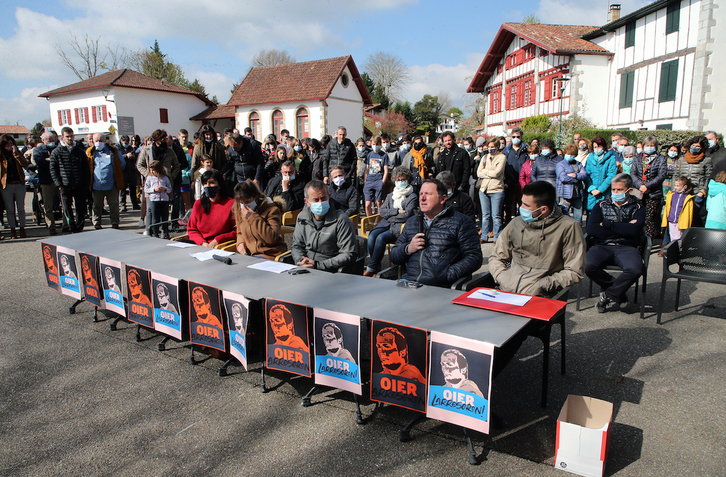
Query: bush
point(536, 124)
point(527, 137)
point(665, 137)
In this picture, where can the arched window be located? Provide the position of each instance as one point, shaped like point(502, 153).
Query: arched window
point(277, 125)
point(303, 123)
point(255, 124)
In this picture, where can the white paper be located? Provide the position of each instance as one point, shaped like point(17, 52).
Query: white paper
point(274, 267)
point(500, 297)
point(208, 255)
point(180, 245)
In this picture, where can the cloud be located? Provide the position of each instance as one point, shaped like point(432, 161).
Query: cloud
point(217, 84)
point(26, 108)
point(430, 79)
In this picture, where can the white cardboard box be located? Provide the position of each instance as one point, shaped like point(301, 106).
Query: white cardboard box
point(583, 430)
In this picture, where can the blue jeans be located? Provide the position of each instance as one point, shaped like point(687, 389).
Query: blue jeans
point(377, 241)
point(492, 204)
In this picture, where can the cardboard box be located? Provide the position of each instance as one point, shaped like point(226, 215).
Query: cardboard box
point(583, 430)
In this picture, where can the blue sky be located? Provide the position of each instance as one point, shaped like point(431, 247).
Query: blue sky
point(442, 44)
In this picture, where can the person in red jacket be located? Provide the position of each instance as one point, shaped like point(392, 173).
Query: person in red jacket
point(212, 220)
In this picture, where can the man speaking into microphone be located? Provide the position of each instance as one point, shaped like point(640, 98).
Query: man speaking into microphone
point(439, 245)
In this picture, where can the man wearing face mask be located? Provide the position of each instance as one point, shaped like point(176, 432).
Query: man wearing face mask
point(616, 225)
point(107, 178)
point(339, 152)
point(517, 154)
point(396, 157)
point(717, 153)
point(454, 159)
point(245, 158)
point(343, 195)
point(287, 186)
point(324, 238)
point(41, 158)
point(69, 170)
point(542, 250)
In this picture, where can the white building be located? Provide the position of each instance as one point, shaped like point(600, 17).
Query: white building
point(447, 123)
point(124, 102)
point(309, 99)
point(651, 69)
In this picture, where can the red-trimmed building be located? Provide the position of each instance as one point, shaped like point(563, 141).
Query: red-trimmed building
point(520, 71)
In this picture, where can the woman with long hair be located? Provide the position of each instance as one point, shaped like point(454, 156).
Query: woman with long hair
point(207, 144)
point(258, 222)
point(12, 180)
point(212, 220)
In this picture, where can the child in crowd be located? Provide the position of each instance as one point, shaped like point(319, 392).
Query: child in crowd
point(678, 213)
point(158, 186)
point(206, 166)
point(376, 174)
point(716, 202)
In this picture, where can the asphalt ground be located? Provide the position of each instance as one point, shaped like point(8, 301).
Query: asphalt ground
point(79, 399)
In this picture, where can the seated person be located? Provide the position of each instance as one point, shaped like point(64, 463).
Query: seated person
point(541, 251)
point(212, 222)
point(616, 225)
point(456, 198)
point(398, 207)
point(324, 238)
point(440, 246)
point(287, 186)
point(343, 194)
point(258, 220)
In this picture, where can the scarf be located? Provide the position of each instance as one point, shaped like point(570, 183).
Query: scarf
point(691, 159)
point(399, 195)
point(419, 162)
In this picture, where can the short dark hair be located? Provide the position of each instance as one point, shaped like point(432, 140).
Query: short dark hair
point(440, 187)
point(248, 129)
point(284, 131)
point(228, 131)
point(124, 137)
point(600, 142)
point(184, 131)
point(288, 163)
point(623, 178)
point(547, 143)
point(518, 130)
point(315, 184)
point(406, 137)
point(447, 133)
point(158, 135)
point(542, 192)
point(65, 130)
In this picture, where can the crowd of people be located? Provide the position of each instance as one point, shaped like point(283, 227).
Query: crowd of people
point(437, 203)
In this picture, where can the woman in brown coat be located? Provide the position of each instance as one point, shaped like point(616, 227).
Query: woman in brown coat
point(259, 220)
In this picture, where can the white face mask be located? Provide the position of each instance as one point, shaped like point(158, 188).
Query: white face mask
point(339, 181)
point(99, 145)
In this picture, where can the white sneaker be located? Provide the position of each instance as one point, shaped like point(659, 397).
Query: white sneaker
point(146, 232)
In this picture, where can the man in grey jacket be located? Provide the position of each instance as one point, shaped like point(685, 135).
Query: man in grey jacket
point(541, 251)
point(324, 238)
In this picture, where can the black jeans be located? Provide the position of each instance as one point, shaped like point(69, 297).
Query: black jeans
point(159, 213)
point(79, 195)
point(130, 185)
point(625, 257)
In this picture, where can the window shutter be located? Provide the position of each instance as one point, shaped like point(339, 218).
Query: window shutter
point(78, 121)
point(94, 109)
point(68, 113)
point(86, 109)
point(105, 114)
point(60, 118)
point(673, 18)
point(547, 90)
point(668, 81)
point(627, 84)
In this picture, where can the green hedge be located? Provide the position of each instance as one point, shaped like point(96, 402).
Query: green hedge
point(665, 137)
point(527, 137)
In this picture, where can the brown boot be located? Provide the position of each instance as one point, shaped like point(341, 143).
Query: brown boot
point(22, 233)
point(13, 234)
point(366, 273)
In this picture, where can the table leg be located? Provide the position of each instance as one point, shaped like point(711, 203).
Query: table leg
point(162, 344)
point(192, 361)
point(115, 322)
point(72, 309)
point(358, 414)
point(404, 435)
point(306, 400)
point(545, 365)
point(223, 370)
point(263, 386)
point(472, 453)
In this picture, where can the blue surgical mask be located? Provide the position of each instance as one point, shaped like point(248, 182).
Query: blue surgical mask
point(376, 148)
point(628, 160)
point(618, 197)
point(361, 149)
point(516, 141)
point(401, 184)
point(211, 191)
point(621, 149)
point(649, 150)
point(639, 150)
point(599, 152)
point(532, 157)
point(252, 205)
point(582, 147)
point(569, 157)
point(297, 148)
point(526, 214)
point(207, 140)
point(51, 144)
point(546, 152)
point(320, 208)
point(99, 145)
point(695, 150)
point(339, 181)
point(711, 143)
point(405, 147)
point(292, 177)
point(672, 154)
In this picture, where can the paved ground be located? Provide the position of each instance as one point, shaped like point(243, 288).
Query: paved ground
point(79, 399)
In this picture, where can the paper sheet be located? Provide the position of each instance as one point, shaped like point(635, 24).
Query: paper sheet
point(204, 256)
point(180, 245)
point(500, 297)
point(274, 267)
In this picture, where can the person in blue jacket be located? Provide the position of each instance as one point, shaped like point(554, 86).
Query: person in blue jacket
point(600, 168)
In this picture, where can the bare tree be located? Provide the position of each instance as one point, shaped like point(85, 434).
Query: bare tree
point(271, 57)
point(388, 72)
point(444, 100)
point(531, 19)
point(90, 59)
point(118, 57)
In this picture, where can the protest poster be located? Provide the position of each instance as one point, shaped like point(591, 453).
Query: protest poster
point(237, 308)
point(398, 364)
point(205, 316)
point(288, 343)
point(50, 264)
point(138, 293)
point(167, 314)
point(337, 350)
point(68, 272)
point(460, 377)
point(90, 277)
point(111, 282)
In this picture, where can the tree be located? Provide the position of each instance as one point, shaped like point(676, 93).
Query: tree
point(536, 124)
point(37, 129)
point(456, 113)
point(444, 100)
point(378, 96)
point(370, 84)
point(531, 19)
point(405, 109)
point(154, 63)
point(569, 125)
point(426, 114)
point(395, 123)
point(91, 59)
point(271, 57)
point(388, 72)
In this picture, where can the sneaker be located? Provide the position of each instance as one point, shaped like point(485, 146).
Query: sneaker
point(146, 232)
point(141, 222)
point(605, 304)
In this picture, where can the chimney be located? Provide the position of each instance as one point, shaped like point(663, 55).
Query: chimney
point(614, 13)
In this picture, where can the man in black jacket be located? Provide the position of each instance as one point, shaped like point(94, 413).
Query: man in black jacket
point(343, 194)
point(340, 152)
point(441, 245)
point(245, 158)
point(456, 199)
point(454, 159)
point(288, 186)
point(130, 173)
point(70, 172)
point(616, 225)
point(517, 155)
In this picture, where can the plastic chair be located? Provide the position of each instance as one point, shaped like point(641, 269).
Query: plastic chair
point(368, 223)
point(701, 257)
point(645, 247)
point(355, 269)
point(290, 217)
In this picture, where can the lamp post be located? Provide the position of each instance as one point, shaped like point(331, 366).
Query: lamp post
point(562, 92)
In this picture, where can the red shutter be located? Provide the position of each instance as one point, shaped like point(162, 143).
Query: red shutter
point(95, 119)
point(547, 90)
point(520, 100)
point(60, 118)
point(68, 113)
point(78, 121)
point(86, 115)
point(105, 114)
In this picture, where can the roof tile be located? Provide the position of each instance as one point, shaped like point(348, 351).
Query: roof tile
point(14, 130)
point(557, 38)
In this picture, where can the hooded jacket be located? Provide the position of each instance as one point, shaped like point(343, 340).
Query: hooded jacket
point(541, 257)
point(716, 205)
point(600, 172)
point(332, 247)
point(260, 231)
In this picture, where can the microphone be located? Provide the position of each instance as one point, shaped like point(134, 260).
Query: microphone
point(420, 216)
point(222, 259)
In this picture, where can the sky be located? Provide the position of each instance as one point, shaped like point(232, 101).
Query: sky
point(443, 44)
